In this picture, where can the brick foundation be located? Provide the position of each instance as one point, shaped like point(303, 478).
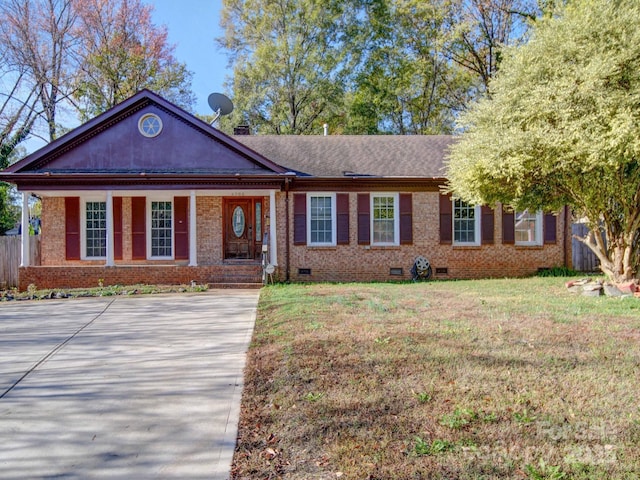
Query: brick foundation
point(93, 276)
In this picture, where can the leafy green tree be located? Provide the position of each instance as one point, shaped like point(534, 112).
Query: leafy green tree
point(9, 211)
point(122, 52)
point(406, 85)
point(563, 127)
point(290, 59)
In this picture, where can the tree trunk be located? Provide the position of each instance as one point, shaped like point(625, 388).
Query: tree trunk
point(617, 255)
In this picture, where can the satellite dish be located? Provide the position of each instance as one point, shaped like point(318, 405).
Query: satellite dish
point(220, 104)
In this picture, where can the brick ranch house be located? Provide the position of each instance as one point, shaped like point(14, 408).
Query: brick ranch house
point(147, 193)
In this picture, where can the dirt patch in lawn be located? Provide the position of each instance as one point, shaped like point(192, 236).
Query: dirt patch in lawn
point(478, 379)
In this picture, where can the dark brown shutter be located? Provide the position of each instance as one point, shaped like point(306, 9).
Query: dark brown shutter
point(342, 218)
point(72, 227)
point(406, 219)
point(138, 228)
point(364, 219)
point(487, 221)
point(550, 223)
point(446, 219)
point(300, 219)
point(181, 229)
point(117, 228)
point(508, 226)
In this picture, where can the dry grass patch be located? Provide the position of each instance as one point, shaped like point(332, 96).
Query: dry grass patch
point(465, 380)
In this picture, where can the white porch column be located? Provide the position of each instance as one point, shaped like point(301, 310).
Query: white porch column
point(110, 237)
point(25, 252)
point(193, 240)
point(273, 244)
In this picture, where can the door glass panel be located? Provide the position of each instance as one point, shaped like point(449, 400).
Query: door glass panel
point(238, 221)
point(258, 222)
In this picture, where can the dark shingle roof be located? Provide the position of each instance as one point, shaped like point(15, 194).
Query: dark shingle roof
point(340, 155)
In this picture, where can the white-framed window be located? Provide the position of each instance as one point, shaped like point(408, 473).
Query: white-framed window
point(528, 228)
point(466, 223)
point(385, 219)
point(321, 214)
point(160, 228)
point(94, 231)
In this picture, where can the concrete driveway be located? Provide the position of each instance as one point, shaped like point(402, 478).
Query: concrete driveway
point(123, 387)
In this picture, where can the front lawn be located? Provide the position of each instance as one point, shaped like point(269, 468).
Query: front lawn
point(457, 380)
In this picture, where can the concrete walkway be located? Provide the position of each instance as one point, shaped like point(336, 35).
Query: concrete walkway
point(123, 387)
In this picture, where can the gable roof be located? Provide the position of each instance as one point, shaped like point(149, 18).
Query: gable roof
point(355, 155)
point(111, 143)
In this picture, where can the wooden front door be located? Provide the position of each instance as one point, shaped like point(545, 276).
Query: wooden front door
point(242, 228)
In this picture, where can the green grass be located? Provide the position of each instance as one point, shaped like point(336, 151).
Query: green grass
point(467, 380)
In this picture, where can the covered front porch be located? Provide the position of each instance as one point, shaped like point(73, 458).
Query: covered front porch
point(213, 237)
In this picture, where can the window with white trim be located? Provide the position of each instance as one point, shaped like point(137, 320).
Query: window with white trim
point(385, 219)
point(161, 229)
point(466, 223)
point(321, 212)
point(528, 228)
point(95, 229)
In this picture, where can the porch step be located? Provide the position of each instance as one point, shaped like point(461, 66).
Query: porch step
point(237, 276)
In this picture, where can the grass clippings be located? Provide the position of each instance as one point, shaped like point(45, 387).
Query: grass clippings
point(452, 380)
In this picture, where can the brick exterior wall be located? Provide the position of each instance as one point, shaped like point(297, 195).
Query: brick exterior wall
point(209, 221)
point(342, 263)
point(353, 262)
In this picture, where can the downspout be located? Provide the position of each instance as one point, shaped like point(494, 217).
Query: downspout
point(286, 216)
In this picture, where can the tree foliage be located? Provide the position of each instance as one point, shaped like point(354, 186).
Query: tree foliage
point(36, 40)
point(85, 55)
point(563, 127)
point(364, 66)
point(289, 61)
point(121, 52)
point(478, 31)
point(406, 84)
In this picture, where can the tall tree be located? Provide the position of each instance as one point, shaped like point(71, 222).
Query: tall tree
point(478, 30)
point(121, 52)
point(563, 127)
point(17, 113)
point(406, 84)
point(289, 59)
point(37, 41)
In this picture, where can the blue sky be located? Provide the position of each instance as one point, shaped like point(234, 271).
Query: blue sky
point(193, 25)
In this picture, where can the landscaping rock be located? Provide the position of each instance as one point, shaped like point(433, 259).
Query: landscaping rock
point(592, 290)
point(612, 291)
